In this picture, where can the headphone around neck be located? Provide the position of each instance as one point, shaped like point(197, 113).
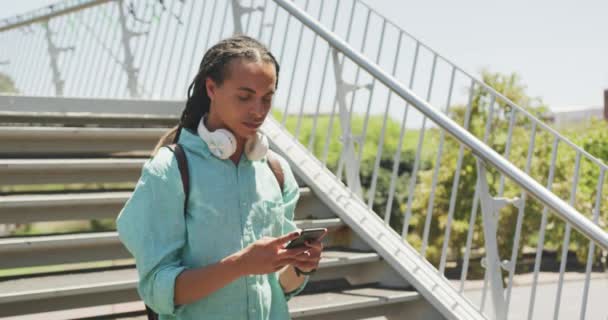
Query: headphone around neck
point(222, 143)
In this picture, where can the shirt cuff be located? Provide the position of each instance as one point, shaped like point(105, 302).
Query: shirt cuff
point(291, 294)
point(163, 291)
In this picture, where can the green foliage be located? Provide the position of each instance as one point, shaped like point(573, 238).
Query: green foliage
point(594, 141)
point(7, 85)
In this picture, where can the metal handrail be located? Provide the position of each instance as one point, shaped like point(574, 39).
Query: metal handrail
point(492, 91)
point(47, 12)
point(480, 149)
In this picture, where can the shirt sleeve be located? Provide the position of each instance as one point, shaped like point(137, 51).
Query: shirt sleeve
point(291, 194)
point(152, 227)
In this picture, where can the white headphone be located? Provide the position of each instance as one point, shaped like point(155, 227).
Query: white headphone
point(222, 143)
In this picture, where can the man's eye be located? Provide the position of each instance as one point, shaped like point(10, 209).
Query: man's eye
point(243, 98)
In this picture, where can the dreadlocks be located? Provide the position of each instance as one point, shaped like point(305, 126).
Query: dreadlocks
point(215, 66)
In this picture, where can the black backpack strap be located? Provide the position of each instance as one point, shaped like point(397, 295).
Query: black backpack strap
point(275, 166)
point(182, 163)
point(151, 314)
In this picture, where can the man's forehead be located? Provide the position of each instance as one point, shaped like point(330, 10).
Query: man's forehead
point(252, 76)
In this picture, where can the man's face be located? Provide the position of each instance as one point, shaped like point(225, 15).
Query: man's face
point(243, 100)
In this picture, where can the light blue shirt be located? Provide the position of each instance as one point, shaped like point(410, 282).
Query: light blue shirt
point(230, 206)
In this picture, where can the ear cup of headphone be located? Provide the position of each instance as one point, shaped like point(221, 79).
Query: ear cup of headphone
point(221, 142)
point(256, 147)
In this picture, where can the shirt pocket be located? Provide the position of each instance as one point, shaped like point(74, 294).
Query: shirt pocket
point(269, 222)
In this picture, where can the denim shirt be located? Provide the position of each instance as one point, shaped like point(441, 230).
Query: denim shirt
point(230, 206)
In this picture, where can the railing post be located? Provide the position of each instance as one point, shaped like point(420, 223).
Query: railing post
point(490, 209)
point(54, 52)
point(128, 63)
point(238, 11)
point(347, 156)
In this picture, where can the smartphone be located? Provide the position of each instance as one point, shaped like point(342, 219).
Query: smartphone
point(311, 234)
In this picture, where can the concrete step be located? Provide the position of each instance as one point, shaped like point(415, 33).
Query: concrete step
point(31, 171)
point(90, 288)
point(27, 208)
point(64, 141)
point(79, 119)
point(352, 303)
point(59, 171)
point(87, 106)
point(29, 251)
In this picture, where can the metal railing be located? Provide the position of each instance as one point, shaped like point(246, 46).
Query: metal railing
point(333, 94)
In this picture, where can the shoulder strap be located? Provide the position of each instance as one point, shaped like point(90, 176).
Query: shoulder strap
point(182, 163)
point(275, 166)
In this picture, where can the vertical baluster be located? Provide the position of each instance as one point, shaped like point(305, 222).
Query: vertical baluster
point(322, 86)
point(412, 186)
point(402, 131)
point(185, 30)
point(372, 189)
point(543, 227)
point(85, 70)
point(566, 243)
point(161, 55)
point(520, 214)
point(307, 80)
point(453, 195)
point(94, 87)
point(113, 62)
point(596, 215)
point(429, 210)
point(293, 72)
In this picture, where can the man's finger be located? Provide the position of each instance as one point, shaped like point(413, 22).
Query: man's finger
point(292, 252)
point(286, 260)
point(314, 244)
point(288, 237)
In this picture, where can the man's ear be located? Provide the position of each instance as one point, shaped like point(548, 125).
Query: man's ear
point(210, 86)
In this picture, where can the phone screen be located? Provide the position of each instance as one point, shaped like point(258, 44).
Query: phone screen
point(311, 234)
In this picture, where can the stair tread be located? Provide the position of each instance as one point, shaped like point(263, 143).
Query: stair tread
point(36, 164)
point(28, 242)
point(348, 299)
point(300, 305)
point(51, 285)
point(72, 198)
point(118, 132)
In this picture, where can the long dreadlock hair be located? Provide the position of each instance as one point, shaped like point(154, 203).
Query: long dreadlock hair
point(214, 65)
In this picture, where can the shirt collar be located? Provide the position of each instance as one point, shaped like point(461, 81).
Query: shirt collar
point(193, 142)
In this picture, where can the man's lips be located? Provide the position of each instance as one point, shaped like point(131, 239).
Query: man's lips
point(252, 125)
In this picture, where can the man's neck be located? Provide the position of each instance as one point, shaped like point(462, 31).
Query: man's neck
point(236, 156)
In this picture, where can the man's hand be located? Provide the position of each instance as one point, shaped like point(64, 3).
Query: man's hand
point(269, 255)
point(309, 259)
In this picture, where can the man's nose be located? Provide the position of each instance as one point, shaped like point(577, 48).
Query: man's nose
point(258, 109)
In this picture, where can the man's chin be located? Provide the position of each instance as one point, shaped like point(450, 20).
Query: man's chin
point(244, 134)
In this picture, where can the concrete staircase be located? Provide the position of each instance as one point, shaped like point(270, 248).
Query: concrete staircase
point(99, 158)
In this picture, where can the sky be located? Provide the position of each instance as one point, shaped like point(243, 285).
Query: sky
point(558, 47)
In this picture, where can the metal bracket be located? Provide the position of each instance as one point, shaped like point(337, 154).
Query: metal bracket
point(128, 64)
point(239, 11)
point(348, 160)
point(490, 208)
point(54, 52)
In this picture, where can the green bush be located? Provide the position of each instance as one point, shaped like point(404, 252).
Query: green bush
point(7, 85)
